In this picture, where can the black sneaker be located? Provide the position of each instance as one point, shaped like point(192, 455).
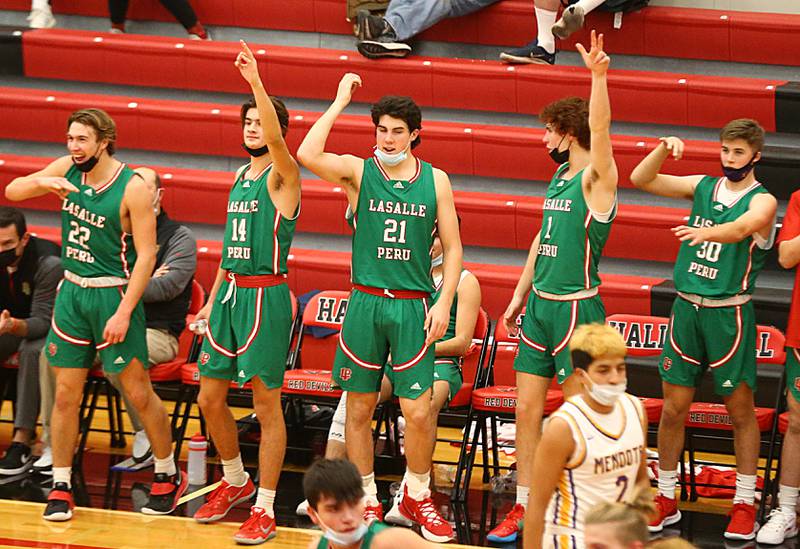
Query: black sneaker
point(376, 38)
point(17, 459)
point(59, 503)
point(531, 53)
point(370, 26)
point(165, 493)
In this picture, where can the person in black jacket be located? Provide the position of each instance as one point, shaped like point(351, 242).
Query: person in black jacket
point(30, 270)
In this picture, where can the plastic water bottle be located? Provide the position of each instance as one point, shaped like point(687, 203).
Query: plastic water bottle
point(198, 327)
point(198, 446)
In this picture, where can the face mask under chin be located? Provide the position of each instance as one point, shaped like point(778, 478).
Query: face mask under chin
point(559, 157)
point(605, 394)
point(256, 152)
point(738, 174)
point(391, 159)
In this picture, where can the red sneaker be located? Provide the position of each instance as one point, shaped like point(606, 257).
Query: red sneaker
point(508, 530)
point(743, 522)
point(223, 499)
point(666, 513)
point(373, 513)
point(434, 528)
point(259, 528)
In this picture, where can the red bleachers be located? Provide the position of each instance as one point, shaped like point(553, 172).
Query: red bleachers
point(657, 31)
point(639, 232)
point(190, 127)
point(682, 99)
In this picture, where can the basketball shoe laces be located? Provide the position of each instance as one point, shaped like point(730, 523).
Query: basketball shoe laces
point(427, 510)
point(371, 514)
point(254, 520)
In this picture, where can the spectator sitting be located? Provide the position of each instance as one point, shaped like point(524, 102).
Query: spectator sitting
point(543, 49)
point(180, 9)
point(30, 270)
point(166, 303)
point(41, 16)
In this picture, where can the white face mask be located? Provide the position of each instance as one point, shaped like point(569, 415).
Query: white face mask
point(437, 261)
point(607, 395)
point(343, 538)
point(391, 159)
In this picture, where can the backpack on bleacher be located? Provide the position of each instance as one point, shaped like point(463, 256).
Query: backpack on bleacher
point(624, 6)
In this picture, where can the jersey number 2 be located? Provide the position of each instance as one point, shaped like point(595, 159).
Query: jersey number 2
point(622, 480)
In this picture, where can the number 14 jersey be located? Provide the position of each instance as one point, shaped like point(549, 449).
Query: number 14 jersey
point(394, 224)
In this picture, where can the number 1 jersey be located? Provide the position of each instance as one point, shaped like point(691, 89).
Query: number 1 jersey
point(394, 225)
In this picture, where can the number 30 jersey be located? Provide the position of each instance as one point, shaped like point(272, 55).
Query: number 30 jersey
point(394, 224)
point(257, 237)
point(712, 269)
point(603, 466)
point(93, 241)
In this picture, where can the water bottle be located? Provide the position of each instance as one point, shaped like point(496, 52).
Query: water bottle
point(198, 446)
point(198, 327)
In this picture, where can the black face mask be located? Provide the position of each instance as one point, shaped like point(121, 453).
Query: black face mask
point(88, 165)
point(737, 174)
point(260, 151)
point(559, 157)
point(8, 257)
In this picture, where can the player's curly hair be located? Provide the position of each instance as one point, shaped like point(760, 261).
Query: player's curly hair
point(746, 129)
point(400, 107)
point(280, 110)
point(569, 116)
point(628, 519)
point(102, 124)
point(592, 341)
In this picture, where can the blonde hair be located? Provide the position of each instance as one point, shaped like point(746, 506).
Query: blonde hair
point(629, 518)
point(598, 340)
point(102, 124)
point(671, 543)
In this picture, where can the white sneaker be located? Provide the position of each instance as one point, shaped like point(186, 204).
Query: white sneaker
point(114, 30)
point(779, 527)
point(141, 447)
point(44, 465)
point(394, 516)
point(41, 19)
point(302, 508)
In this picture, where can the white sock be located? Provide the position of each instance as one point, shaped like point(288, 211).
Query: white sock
point(666, 482)
point(62, 474)
point(545, 19)
point(418, 484)
point(588, 5)
point(166, 465)
point(336, 432)
point(522, 495)
point(745, 489)
point(40, 5)
point(233, 471)
point(370, 488)
point(266, 501)
point(787, 498)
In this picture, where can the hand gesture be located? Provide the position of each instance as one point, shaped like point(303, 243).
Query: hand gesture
point(116, 328)
point(58, 185)
point(695, 235)
point(510, 316)
point(673, 145)
point(161, 271)
point(347, 87)
point(596, 60)
point(6, 322)
point(247, 65)
point(436, 323)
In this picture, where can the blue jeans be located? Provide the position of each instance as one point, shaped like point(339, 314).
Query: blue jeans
point(410, 17)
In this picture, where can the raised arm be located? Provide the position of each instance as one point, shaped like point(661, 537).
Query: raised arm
point(523, 287)
point(469, 304)
point(343, 169)
point(48, 180)
point(603, 175)
point(759, 218)
point(646, 175)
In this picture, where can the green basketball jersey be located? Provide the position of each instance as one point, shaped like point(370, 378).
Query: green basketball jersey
point(394, 225)
point(94, 243)
point(437, 291)
point(366, 542)
point(257, 237)
point(712, 269)
point(571, 240)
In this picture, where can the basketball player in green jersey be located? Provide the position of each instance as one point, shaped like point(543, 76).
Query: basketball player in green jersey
point(398, 201)
point(108, 229)
point(561, 270)
point(723, 248)
point(336, 504)
point(249, 310)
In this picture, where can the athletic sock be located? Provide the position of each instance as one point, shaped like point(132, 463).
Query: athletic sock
point(522, 496)
point(370, 489)
point(40, 5)
point(165, 465)
point(233, 471)
point(336, 432)
point(545, 19)
point(62, 474)
point(787, 498)
point(745, 489)
point(588, 5)
point(266, 501)
point(418, 485)
point(666, 482)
